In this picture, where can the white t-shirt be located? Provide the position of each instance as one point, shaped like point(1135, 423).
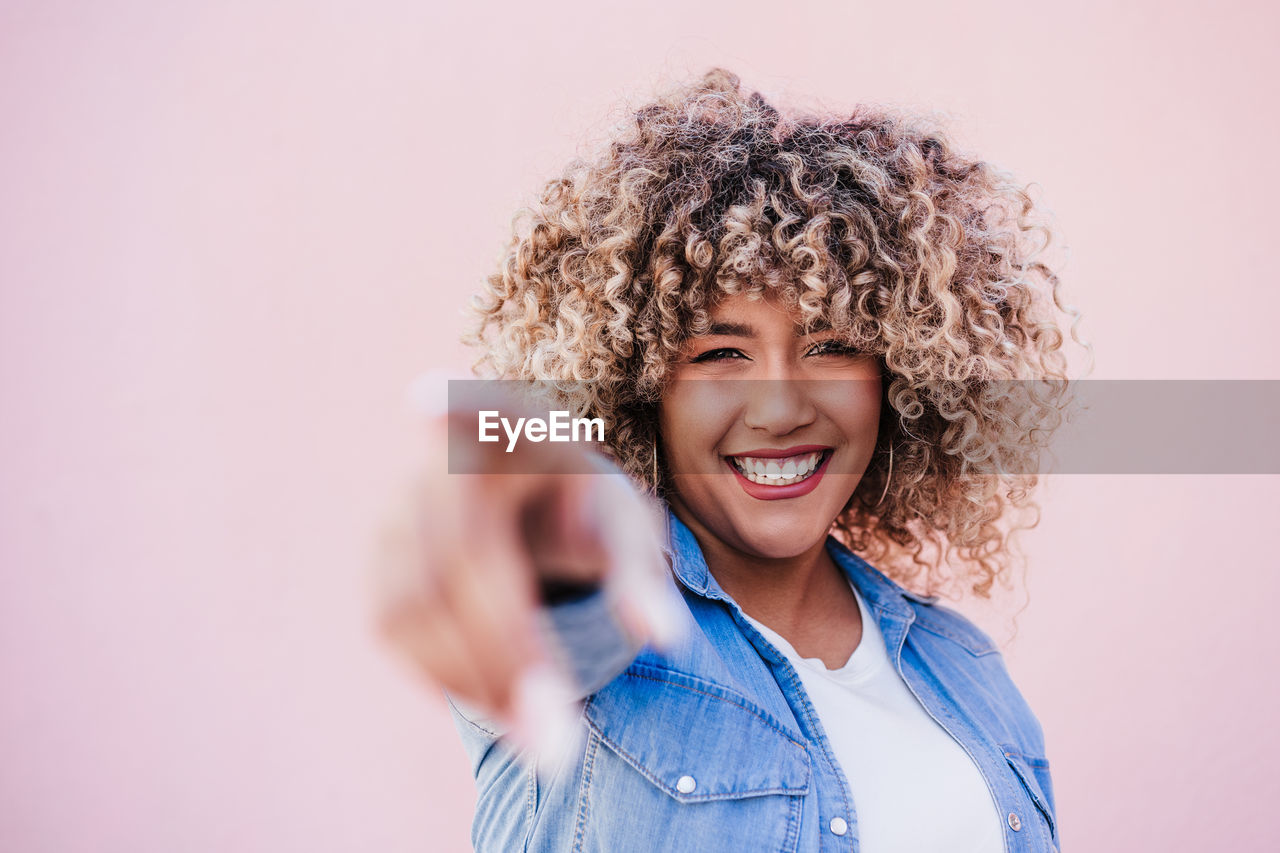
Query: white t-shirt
point(915, 789)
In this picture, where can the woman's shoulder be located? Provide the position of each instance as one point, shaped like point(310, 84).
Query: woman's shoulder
point(951, 624)
point(927, 611)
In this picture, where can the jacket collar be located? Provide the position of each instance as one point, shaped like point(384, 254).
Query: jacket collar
point(690, 568)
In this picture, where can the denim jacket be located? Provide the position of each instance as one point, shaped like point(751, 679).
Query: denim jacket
point(727, 711)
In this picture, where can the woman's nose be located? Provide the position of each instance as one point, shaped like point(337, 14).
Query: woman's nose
point(778, 406)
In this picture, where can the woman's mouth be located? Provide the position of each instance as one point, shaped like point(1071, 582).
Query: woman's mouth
point(774, 475)
point(779, 472)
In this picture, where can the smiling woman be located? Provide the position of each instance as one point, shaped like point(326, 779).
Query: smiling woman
point(766, 310)
point(784, 404)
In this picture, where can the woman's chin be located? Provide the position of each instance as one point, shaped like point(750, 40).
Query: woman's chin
point(780, 539)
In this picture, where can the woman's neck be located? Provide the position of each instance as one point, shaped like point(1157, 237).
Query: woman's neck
point(789, 594)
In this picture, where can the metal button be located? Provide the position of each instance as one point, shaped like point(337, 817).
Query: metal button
point(1015, 822)
point(838, 826)
point(685, 784)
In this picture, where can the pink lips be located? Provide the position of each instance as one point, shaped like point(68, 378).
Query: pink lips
point(774, 493)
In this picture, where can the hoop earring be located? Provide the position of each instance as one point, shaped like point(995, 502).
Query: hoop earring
point(886, 477)
point(655, 465)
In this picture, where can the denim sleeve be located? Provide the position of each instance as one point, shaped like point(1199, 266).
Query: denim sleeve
point(593, 650)
point(505, 787)
point(591, 645)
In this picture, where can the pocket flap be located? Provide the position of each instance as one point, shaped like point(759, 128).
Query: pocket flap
point(696, 740)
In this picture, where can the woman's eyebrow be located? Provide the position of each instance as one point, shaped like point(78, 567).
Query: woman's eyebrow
point(744, 330)
point(741, 330)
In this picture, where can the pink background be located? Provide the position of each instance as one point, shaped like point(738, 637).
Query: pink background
point(231, 232)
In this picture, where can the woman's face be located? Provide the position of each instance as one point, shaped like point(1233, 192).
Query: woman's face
point(765, 431)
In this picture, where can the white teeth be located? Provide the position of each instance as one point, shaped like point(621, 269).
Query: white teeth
point(777, 472)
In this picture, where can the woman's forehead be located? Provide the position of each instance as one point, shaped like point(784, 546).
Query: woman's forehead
point(731, 313)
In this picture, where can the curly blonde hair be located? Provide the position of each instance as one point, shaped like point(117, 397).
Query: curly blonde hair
point(872, 224)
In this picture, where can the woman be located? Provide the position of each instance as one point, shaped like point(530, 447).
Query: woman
point(806, 337)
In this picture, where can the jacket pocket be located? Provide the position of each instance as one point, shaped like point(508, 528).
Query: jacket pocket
point(678, 763)
point(1034, 775)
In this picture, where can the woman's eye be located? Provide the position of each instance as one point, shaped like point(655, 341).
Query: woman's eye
point(722, 354)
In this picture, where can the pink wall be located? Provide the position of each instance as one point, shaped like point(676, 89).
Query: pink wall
point(230, 233)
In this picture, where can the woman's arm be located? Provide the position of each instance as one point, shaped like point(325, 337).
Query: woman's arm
point(525, 584)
